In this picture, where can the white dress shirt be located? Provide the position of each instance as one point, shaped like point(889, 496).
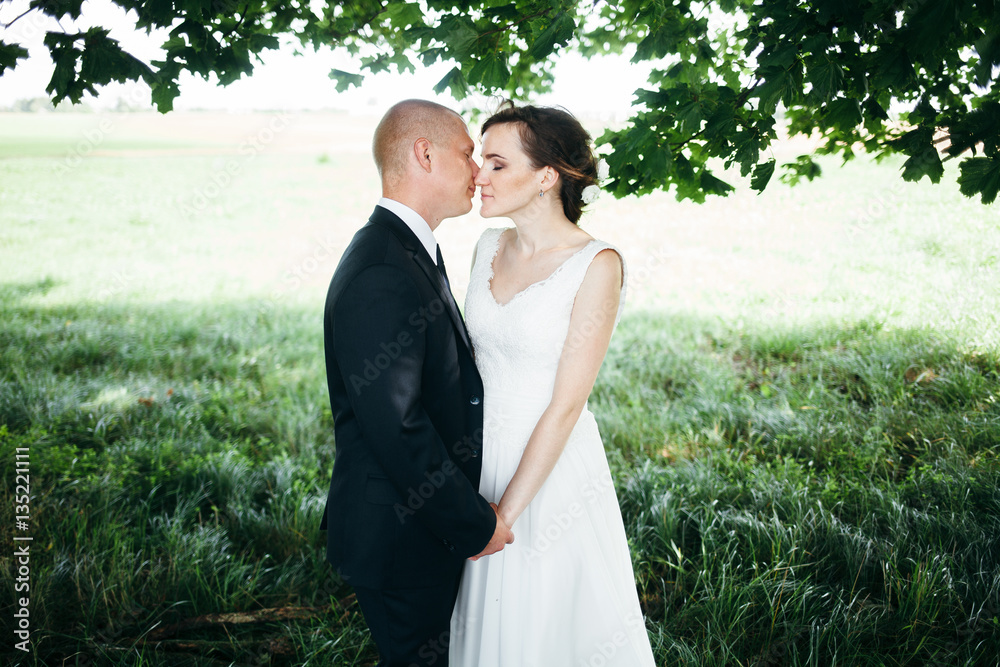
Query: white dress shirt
point(415, 222)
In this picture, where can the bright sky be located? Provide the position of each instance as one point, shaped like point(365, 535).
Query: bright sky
point(601, 87)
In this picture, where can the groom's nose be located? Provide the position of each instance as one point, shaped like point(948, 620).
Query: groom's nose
point(475, 168)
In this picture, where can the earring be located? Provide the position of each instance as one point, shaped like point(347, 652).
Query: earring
point(541, 193)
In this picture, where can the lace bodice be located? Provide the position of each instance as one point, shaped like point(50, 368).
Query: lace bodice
point(518, 344)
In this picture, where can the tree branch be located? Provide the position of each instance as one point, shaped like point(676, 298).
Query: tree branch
point(20, 16)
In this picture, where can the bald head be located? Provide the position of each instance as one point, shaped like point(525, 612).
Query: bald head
point(402, 126)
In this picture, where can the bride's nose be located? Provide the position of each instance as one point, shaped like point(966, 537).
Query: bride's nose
point(480, 177)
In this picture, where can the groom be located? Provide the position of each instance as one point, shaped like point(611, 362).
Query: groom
point(403, 511)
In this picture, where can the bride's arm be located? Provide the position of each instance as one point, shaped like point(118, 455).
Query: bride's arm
point(590, 328)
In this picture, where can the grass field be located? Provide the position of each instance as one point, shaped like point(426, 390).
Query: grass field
point(801, 406)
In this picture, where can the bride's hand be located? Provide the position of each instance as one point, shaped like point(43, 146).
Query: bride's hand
point(504, 514)
point(502, 536)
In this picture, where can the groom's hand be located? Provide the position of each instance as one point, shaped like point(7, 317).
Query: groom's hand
point(501, 536)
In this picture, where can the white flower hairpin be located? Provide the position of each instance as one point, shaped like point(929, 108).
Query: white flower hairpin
point(592, 192)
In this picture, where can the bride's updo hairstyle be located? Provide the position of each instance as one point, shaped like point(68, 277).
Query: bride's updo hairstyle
point(553, 137)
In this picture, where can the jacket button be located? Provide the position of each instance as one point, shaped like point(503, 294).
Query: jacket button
point(474, 400)
point(475, 453)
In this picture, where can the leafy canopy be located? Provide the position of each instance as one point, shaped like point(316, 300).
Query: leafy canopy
point(722, 72)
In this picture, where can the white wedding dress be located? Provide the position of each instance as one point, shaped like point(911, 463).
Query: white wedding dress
point(563, 594)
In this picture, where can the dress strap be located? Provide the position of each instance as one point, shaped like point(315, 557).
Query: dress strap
point(582, 262)
point(486, 250)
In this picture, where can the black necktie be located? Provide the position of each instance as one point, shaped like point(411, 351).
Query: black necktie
point(444, 273)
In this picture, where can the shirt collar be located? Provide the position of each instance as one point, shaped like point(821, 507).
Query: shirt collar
point(415, 222)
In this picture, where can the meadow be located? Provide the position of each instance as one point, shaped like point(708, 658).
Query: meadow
point(801, 406)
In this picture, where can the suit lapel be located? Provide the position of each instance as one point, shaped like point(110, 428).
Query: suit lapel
point(412, 244)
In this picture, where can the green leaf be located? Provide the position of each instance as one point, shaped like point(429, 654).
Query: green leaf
point(508, 12)
point(722, 123)
point(803, 167)
point(64, 83)
point(843, 114)
point(826, 79)
point(778, 85)
point(762, 175)
point(656, 44)
point(988, 49)
point(926, 163)
point(980, 176)
point(346, 79)
point(893, 69)
point(705, 50)
point(430, 56)
point(874, 115)
point(104, 61)
point(783, 56)
point(747, 150)
point(163, 94)
point(490, 71)
point(689, 117)
point(10, 54)
point(454, 80)
point(712, 185)
point(404, 14)
point(657, 163)
point(461, 38)
point(558, 33)
point(59, 8)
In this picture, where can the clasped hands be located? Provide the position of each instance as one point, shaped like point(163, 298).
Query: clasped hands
point(502, 536)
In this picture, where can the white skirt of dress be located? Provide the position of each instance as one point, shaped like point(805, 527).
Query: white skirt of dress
point(563, 594)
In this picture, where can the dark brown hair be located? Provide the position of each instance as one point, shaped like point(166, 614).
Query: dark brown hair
point(553, 137)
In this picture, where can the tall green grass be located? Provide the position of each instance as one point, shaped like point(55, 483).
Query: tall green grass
point(809, 496)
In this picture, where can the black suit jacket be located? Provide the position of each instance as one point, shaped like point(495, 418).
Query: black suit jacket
point(403, 508)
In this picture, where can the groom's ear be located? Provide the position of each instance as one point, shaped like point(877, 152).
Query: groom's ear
point(422, 151)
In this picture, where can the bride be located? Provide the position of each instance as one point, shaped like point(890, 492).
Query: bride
point(543, 300)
